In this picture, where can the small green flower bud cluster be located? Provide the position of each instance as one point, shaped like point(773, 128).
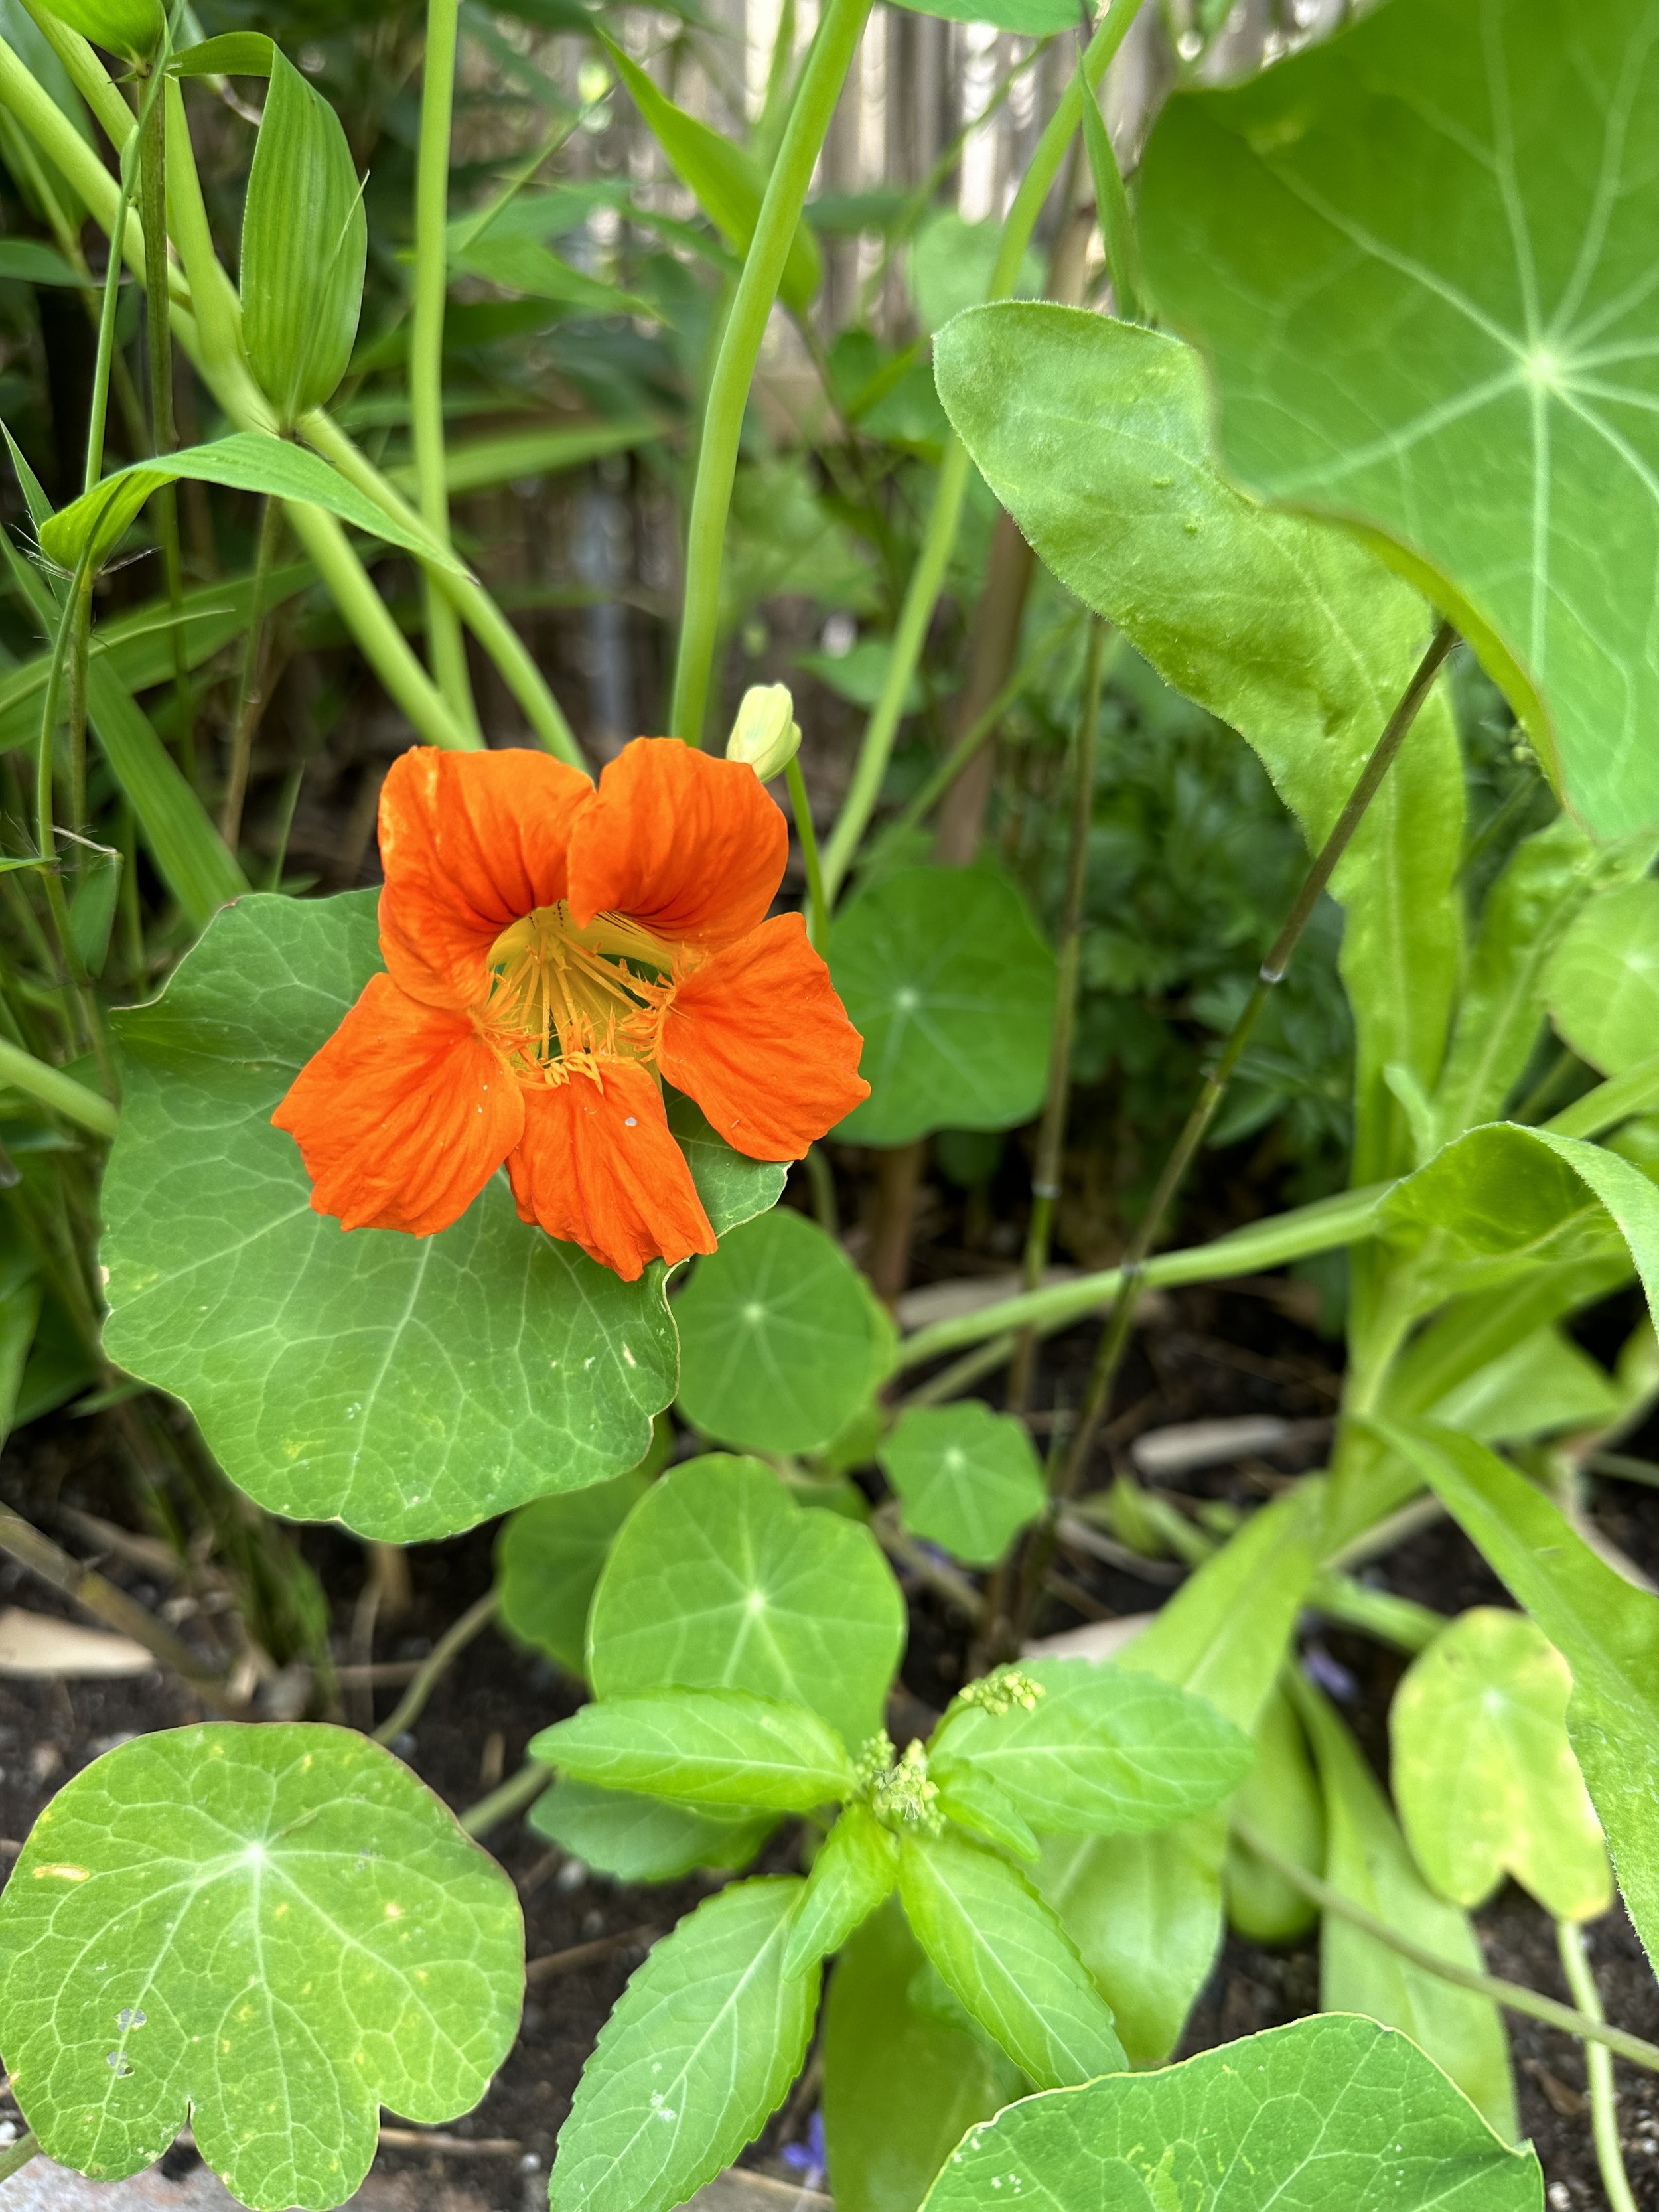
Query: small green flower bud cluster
point(1001, 1690)
point(876, 1754)
point(765, 734)
point(901, 1796)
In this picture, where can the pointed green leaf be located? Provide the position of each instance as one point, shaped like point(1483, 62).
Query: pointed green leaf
point(721, 1581)
point(1099, 1752)
point(1003, 1954)
point(781, 1343)
point(131, 28)
point(636, 1838)
point(1603, 983)
point(1326, 2112)
point(548, 1560)
point(967, 1478)
point(705, 2040)
point(305, 245)
point(1280, 1797)
point(1543, 1383)
point(1451, 342)
point(29, 261)
point(526, 266)
point(409, 1387)
point(702, 1747)
point(1484, 1775)
point(267, 1932)
point(232, 53)
point(968, 1795)
point(857, 1867)
point(942, 973)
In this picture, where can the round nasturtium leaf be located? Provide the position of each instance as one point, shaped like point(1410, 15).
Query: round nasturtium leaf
point(547, 1558)
point(1483, 1773)
point(966, 1478)
point(721, 1581)
point(409, 1387)
point(264, 1933)
point(1603, 985)
point(944, 973)
point(781, 1341)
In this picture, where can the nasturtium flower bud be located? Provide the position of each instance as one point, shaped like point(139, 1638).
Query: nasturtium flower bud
point(765, 734)
point(131, 28)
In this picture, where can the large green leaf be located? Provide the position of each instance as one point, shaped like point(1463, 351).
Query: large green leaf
point(1368, 1862)
point(1005, 1956)
point(944, 973)
point(1095, 436)
point(267, 1933)
point(638, 1839)
point(1605, 1630)
point(901, 2077)
point(1096, 1750)
point(409, 1387)
point(966, 1478)
point(781, 1343)
point(1603, 983)
point(1434, 315)
point(721, 1581)
point(1484, 1775)
point(1328, 2112)
point(703, 2043)
point(702, 1747)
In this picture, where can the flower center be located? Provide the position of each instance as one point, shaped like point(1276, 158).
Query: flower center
point(563, 997)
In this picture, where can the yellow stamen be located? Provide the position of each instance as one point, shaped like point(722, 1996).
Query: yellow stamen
point(563, 999)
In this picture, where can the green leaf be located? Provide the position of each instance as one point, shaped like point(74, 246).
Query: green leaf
point(781, 1343)
point(1326, 2112)
point(968, 1795)
point(1368, 1862)
point(1603, 983)
point(702, 1747)
point(1451, 345)
point(966, 1478)
point(634, 1838)
point(943, 972)
point(547, 1559)
point(1100, 1752)
point(901, 2079)
point(1605, 1630)
point(1030, 19)
point(526, 266)
point(20, 1313)
point(1095, 436)
point(1280, 1797)
point(1543, 1383)
point(409, 1387)
point(267, 1933)
point(27, 261)
point(1005, 1956)
point(724, 180)
point(950, 264)
point(305, 245)
point(721, 1581)
point(247, 460)
point(1484, 1775)
point(131, 28)
point(732, 1188)
point(857, 1867)
point(92, 910)
point(232, 53)
point(705, 2040)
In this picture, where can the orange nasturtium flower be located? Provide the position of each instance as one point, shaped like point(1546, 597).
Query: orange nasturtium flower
point(552, 950)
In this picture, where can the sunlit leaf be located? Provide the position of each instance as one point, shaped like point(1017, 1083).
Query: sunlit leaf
point(856, 1867)
point(701, 1748)
point(637, 1839)
point(966, 1478)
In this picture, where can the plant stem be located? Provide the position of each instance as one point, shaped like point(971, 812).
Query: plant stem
point(1051, 1131)
point(50, 1087)
point(455, 1638)
point(250, 697)
point(79, 611)
point(928, 579)
point(1514, 1997)
point(517, 1790)
point(1115, 1336)
point(17, 2155)
point(821, 83)
point(158, 330)
point(1117, 229)
point(817, 914)
point(1598, 2069)
point(425, 343)
point(982, 726)
point(98, 413)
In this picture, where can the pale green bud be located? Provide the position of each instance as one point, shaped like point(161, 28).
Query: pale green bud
point(765, 734)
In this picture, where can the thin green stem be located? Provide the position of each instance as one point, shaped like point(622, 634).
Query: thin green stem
point(445, 643)
point(517, 1790)
point(938, 782)
point(75, 703)
point(60, 1093)
point(821, 83)
point(158, 331)
point(1514, 1997)
point(250, 697)
point(817, 914)
point(98, 414)
point(454, 1639)
point(1117, 229)
point(1115, 1335)
point(1598, 2069)
point(1051, 1130)
point(17, 2155)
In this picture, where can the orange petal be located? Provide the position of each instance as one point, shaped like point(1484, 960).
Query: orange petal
point(402, 1116)
point(689, 846)
point(596, 1167)
point(759, 1039)
point(470, 843)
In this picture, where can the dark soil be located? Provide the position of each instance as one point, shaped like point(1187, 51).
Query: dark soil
point(1207, 1353)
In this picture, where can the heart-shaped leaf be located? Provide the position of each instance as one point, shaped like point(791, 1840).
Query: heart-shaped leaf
point(265, 1933)
point(1484, 1775)
point(781, 1342)
point(1433, 316)
point(409, 1386)
point(967, 1478)
point(721, 1581)
point(1328, 2110)
point(942, 973)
